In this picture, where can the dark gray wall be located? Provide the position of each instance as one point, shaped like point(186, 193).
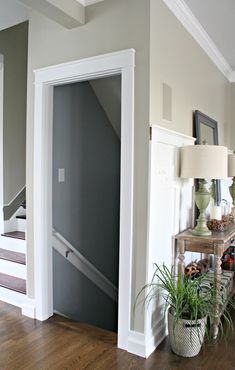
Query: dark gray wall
point(14, 47)
point(86, 205)
point(78, 298)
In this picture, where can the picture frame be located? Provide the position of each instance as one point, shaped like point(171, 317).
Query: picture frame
point(206, 132)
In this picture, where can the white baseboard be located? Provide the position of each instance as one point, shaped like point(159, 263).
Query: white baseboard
point(61, 314)
point(28, 308)
point(136, 343)
point(26, 304)
point(143, 345)
point(155, 338)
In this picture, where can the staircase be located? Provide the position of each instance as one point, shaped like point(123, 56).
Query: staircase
point(13, 259)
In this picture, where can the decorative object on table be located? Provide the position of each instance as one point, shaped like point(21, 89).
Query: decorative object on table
point(219, 225)
point(226, 286)
point(190, 305)
point(206, 132)
point(216, 213)
point(225, 207)
point(228, 258)
point(231, 173)
point(203, 162)
point(196, 268)
point(191, 270)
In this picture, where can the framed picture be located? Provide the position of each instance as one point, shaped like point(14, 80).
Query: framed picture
point(206, 129)
point(206, 132)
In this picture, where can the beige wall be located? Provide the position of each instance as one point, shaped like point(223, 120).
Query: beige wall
point(13, 46)
point(174, 58)
point(178, 60)
point(110, 26)
point(232, 132)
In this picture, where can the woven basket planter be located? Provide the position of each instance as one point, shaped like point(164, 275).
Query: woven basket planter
point(187, 337)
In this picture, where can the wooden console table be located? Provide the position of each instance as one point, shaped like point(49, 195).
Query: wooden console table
point(214, 244)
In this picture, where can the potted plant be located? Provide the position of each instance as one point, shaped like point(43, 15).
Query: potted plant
point(190, 306)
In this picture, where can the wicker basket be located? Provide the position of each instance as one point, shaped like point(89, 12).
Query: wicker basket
point(187, 337)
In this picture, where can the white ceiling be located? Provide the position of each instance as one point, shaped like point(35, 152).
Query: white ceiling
point(11, 13)
point(218, 19)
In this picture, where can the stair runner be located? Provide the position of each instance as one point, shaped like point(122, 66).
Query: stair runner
point(7, 281)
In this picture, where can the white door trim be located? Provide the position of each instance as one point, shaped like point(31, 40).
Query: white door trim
point(1, 141)
point(122, 62)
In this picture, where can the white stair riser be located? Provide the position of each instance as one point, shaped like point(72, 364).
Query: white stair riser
point(10, 225)
point(12, 297)
point(13, 244)
point(15, 224)
point(21, 225)
point(13, 269)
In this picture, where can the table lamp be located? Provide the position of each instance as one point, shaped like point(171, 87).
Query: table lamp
point(203, 162)
point(231, 173)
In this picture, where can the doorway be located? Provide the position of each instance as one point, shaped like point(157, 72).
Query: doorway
point(123, 63)
point(86, 198)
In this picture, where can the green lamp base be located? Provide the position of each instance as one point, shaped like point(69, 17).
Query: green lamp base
point(202, 199)
point(200, 230)
point(232, 190)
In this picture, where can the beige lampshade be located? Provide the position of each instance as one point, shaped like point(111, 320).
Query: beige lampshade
point(204, 162)
point(231, 165)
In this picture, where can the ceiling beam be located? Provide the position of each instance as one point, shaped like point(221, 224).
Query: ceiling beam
point(69, 13)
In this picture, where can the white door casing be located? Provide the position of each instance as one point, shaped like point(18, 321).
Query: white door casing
point(123, 63)
point(1, 141)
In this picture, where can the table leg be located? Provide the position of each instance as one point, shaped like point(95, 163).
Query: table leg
point(217, 280)
point(181, 257)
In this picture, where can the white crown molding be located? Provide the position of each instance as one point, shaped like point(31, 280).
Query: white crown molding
point(88, 2)
point(194, 27)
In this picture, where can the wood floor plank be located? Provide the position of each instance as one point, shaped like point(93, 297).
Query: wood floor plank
point(61, 344)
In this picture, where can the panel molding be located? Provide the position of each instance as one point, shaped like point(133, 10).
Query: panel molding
point(170, 199)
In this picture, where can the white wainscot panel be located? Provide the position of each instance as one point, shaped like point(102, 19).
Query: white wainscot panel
point(170, 211)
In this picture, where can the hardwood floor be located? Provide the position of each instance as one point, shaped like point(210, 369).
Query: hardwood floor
point(61, 344)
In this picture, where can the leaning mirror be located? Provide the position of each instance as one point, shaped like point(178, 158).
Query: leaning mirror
point(206, 132)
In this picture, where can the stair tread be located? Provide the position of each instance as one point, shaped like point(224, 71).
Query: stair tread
point(12, 256)
point(21, 217)
point(15, 234)
point(13, 283)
